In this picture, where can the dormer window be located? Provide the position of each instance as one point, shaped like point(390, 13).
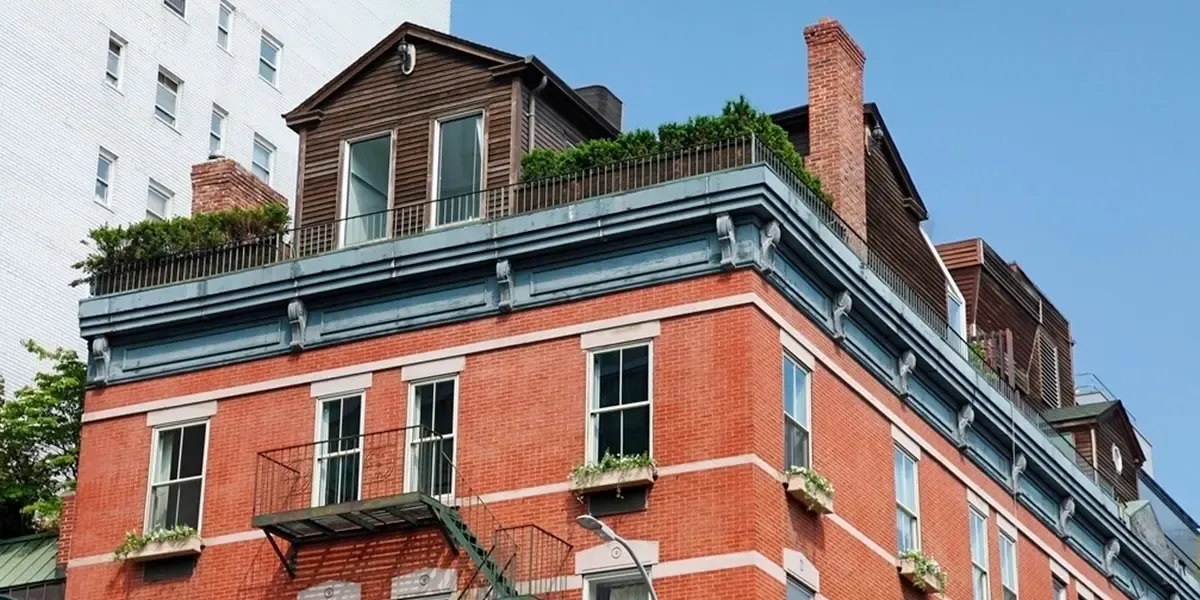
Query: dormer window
point(458, 169)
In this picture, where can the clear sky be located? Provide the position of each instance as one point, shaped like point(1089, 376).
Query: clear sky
point(1061, 132)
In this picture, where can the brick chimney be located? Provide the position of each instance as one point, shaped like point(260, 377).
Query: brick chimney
point(836, 138)
point(221, 184)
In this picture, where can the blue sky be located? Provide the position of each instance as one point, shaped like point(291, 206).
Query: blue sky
point(1061, 132)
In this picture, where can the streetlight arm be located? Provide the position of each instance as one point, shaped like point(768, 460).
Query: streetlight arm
point(641, 569)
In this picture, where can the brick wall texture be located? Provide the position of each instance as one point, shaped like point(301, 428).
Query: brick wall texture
point(521, 423)
point(221, 184)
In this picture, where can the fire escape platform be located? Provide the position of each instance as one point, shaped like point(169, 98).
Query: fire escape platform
point(377, 515)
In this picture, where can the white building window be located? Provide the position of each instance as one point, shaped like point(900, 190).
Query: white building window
point(1060, 589)
point(166, 100)
point(262, 161)
point(177, 476)
point(979, 559)
point(458, 169)
point(158, 202)
point(797, 591)
point(1008, 566)
point(432, 419)
point(619, 403)
point(178, 7)
point(106, 166)
point(224, 24)
point(908, 513)
point(797, 425)
point(115, 66)
point(339, 450)
point(216, 131)
point(625, 585)
point(956, 313)
point(269, 49)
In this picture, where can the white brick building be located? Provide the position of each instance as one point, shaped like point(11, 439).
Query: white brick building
point(60, 110)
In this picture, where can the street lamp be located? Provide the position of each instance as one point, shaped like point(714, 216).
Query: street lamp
point(606, 533)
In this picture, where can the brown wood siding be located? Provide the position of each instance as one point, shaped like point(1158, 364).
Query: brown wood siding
point(1055, 325)
point(553, 129)
point(996, 311)
point(444, 83)
point(894, 233)
point(967, 280)
point(1110, 432)
point(964, 253)
point(1083, 444)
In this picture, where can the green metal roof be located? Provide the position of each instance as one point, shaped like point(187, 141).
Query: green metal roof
point(28, 560)
point(1081, 411)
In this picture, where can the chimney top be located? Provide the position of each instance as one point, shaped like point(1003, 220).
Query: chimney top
point(221, 184)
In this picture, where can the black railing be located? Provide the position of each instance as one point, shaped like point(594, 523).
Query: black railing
point(398, 463)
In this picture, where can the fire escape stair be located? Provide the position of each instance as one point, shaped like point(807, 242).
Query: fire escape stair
point(461, 537)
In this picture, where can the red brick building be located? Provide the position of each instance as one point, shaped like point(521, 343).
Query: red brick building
point(385, 406)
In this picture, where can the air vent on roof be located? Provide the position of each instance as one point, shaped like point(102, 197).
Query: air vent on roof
point(605, 102)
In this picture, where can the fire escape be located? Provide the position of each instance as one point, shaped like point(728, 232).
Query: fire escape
point(395, 481)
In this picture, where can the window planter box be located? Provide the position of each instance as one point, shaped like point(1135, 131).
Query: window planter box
point(927, 584)
point(812, 499)
point(616, 479)
point(169, 549)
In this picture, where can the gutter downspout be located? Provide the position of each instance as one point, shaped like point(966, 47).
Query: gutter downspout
point(531, 116)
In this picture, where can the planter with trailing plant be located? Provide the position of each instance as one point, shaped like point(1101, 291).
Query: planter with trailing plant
point(159, 544)
point(613, 473)
point(923, 572)
point(812, 489)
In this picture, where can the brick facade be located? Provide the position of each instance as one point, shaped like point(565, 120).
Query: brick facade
point(221, 184)
point(718, 510)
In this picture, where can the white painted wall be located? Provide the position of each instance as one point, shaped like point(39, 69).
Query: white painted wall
point(56, 112)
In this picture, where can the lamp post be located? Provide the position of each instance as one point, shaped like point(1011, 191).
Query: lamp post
point(606, 533)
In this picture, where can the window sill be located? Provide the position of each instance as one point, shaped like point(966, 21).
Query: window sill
point(104, 205)
point(615, 480)
point(159, 550)
point(815, 501)
point(169, 125)
point(114, 87)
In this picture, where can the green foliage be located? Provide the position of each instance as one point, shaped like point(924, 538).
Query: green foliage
point(814, 480)
point(737, 118)
point(150, 240)
point(977, 355)
point(926, 567)
point(39, 438)
point(585, 473)
point(135, 541)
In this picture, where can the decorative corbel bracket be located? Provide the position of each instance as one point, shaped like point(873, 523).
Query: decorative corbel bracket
point(841, 307)
point(1066, 510)
point(728, 241)
point(504, 281)
point(966, 416)
point(768, 241)
point(1111, 550)
point(908, 362)
point(102, 358)
point(298, 319)
point(1018, 468)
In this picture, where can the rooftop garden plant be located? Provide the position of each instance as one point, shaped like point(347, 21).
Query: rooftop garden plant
point(737, 118)
point(121, 245)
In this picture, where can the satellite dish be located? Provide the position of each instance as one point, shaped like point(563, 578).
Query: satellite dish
point(408, 57)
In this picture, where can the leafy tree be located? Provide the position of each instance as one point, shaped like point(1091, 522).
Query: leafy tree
point(39, 442)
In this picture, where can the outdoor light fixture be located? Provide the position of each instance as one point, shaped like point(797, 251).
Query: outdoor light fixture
point(606, 533)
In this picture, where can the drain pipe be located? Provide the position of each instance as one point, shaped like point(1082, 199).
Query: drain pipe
point(531, 116)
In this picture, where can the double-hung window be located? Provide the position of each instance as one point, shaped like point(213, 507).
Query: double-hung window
point(796, 418)
point(458, 168)
point(796, 591)
point(166, 99)
point(177, 476)
point(908, 530)
point(262, 159)
point(979, 558)
point(158, 202)
point(116, 61)
point(619, 403)
point(106, 165)
point(269, 49)
point(178, 7)
point(432, 408)
point(339, 450)
point(216, 130)
point(619, 586)
point(366, 189)
point(1060, 589)
point(224, 24)
point(1008, 566)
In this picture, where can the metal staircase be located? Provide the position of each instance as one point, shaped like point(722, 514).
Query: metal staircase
point(394, 481)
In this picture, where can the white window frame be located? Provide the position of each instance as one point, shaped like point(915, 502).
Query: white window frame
point(112, 176)
point(119, 76)
point(591, 582)
point(1059, 588)
point(270, 166)
point(1008, 556)
point(181, 12)
point(227, 28)
point(807, 425)
point(592, 413)
point(159, 110)
point(436, 180)
point(219, 133)
point(913, 511)
point(150, 483)
point(344, 184)
point(979, 564)
point(278, 46)
point(414, 421)
point(793, 582)
point(166, 193)
point(317, 485)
